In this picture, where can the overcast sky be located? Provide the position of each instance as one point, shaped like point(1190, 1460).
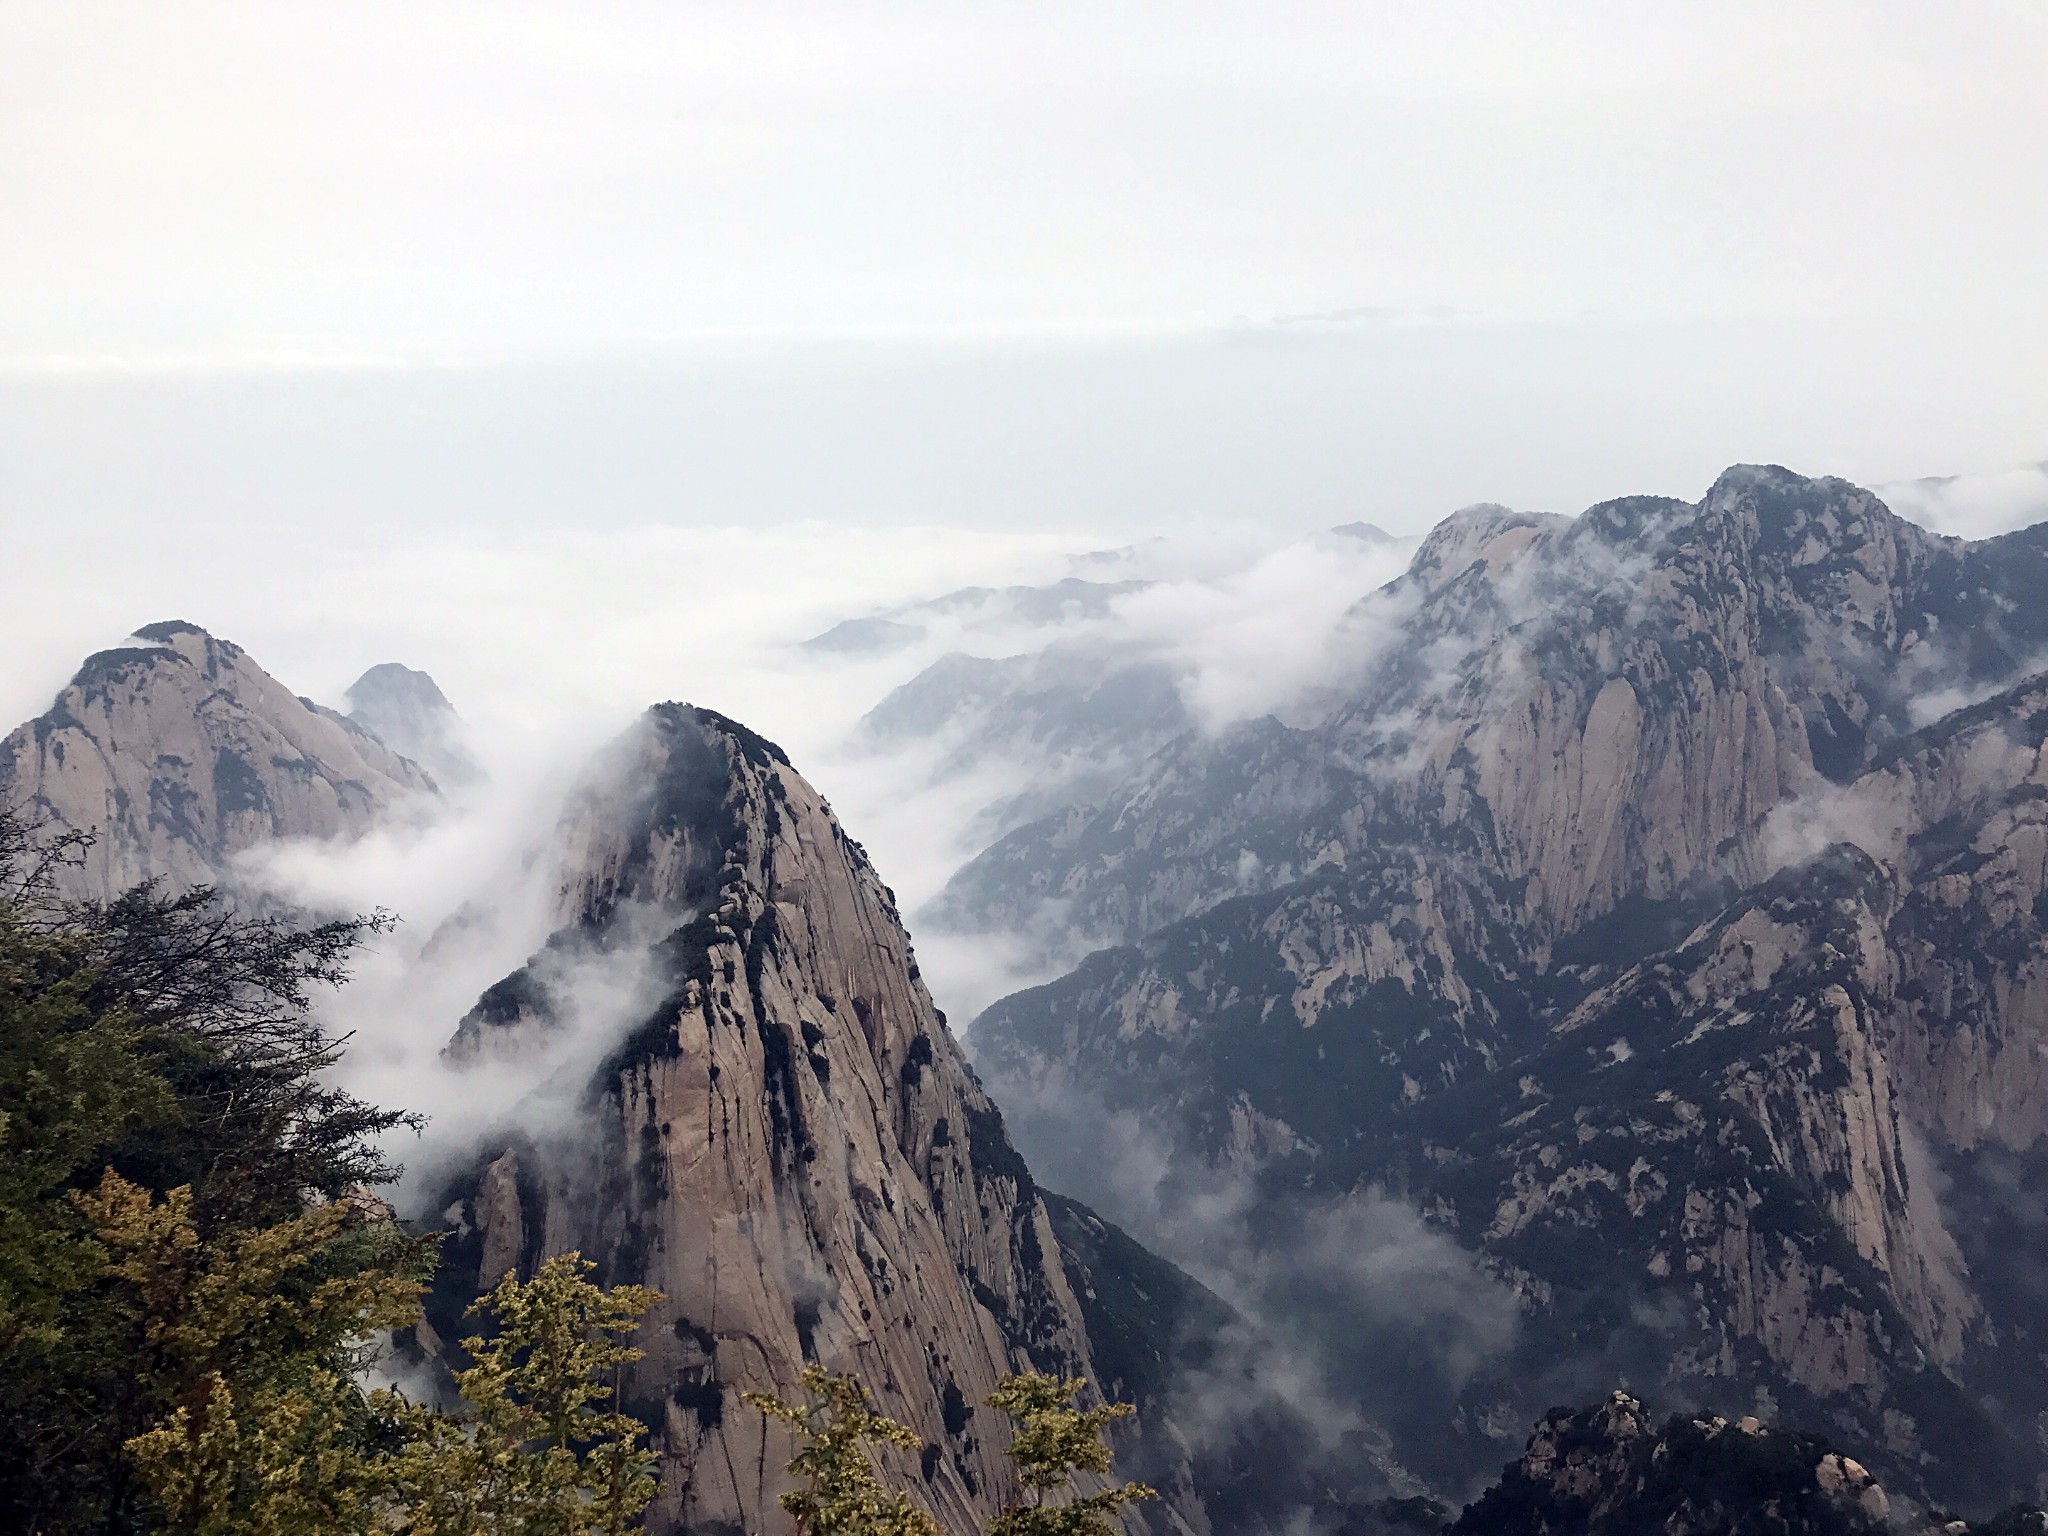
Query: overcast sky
point(1104, 266)
point(586, 354)
point(397, 180)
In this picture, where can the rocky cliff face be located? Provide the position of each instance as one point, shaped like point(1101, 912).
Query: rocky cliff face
point(1702, 1180)
point(788, 1145)
point(1794, 1107)
point(177, 752)
point(1631, 920)
point(775, 1128)
point(1594, 706)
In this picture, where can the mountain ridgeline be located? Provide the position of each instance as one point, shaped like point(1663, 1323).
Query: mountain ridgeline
point(777, 1129)
point(1631, 972)
point(1661, 917)
point(177, 753)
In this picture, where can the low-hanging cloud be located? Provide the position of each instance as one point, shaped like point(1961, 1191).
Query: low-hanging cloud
point(549, 647)
point(1357, 1312)
point(1274, 636)
point(479, 893)
point(1974, 506)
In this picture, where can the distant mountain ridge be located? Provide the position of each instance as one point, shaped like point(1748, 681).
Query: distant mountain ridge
point(177, 753)
point(1069, 600)
point(1780, 632)
point(1544, 930)
point(405, 709)
point(1633, 971)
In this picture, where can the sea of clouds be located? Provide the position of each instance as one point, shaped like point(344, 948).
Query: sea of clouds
point(550, 641)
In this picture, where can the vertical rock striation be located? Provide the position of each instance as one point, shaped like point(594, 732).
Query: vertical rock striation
point(787, 1142)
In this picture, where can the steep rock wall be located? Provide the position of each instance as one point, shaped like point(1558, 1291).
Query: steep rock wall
point(1595, 706)
point(1647, 945)
point(790, 1147)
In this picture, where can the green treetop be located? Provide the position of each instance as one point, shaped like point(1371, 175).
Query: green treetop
point(842, 1495)
point(539, 1453)
point(1055, 1441)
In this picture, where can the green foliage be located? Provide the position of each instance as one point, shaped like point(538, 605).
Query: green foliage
point(66, 1076)
point(266, 1435)
point(254, 1301)
point(250, 1342)
point(265, 1462)
point(1054, 1442)
point(842, 1495)
point(537, 1455)
point(191, 1268)
point(173, 1041)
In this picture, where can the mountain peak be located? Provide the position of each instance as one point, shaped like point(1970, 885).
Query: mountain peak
point(178, 752)
point(170, 629)
point(784, 1138)
point(406, 710)
point(393, 683)
point(1365, 533)
point(1484, 531)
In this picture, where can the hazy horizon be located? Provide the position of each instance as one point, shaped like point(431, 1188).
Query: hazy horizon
point(1059, 267)
point(590, 355)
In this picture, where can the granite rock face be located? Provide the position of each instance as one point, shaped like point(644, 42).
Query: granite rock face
point(1769, 1157)
point(1662, 916)
point(177, 752)
point(779, 1132)
point(789, 1145)
point(1593, 706)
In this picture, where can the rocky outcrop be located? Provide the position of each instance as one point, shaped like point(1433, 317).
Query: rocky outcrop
point(789, 1145)
point(1273, 1026)
point(1720, 1171)
point(1705, 1168)
point(1632, 925)
point(763, 1114)
point(177, 753)
point(1960, 810)
point(1593, 706)
point(1613, 1471)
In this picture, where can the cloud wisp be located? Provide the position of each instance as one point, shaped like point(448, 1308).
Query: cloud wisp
point(549, 646)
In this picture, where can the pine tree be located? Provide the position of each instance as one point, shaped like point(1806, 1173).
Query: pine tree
point(249, 1345)
point(842, 1493)
point(1054, 1442)
point(538, 1453)
point(173, 1040)
point(192, 1270)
